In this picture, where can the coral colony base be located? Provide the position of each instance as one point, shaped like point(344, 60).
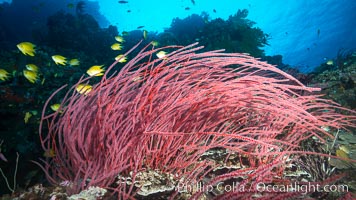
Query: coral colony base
point(164, 116)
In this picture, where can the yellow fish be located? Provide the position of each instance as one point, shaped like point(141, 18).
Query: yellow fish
point(330, 62)
point(137, 78)
point(55, 107)
point(50, 153)
point(74, 62)
point(345, 149)
point(96, 70)
point(161, 54)
point(30, 75)
point(4, 75)
point(27, 48)
point(145, 34)
point(154, 43)
point(119, 39)
point(84, 88)
point(28, 115)
point(121, 58)
point(116, 46)
point(341, 154)
point(58, 59)
point(32, 67)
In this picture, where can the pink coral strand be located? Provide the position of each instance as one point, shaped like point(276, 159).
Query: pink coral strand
point(163, 114)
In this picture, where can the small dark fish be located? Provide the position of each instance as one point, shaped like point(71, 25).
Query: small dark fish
point(308, 49)
point(140, 27)
point(128, 11)
point(286, 33)
point(318, 32)
point(193, 2)
point(80, 7)
point(186, 8)
point(123, 1)
point(214, 10)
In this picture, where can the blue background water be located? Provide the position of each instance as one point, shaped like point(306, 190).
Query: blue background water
point(305, 32)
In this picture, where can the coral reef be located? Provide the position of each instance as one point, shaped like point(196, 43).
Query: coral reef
point(235, 34)
point(166, 114)
point(338, 81)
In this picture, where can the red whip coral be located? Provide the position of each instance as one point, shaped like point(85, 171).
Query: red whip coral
point(166, 114)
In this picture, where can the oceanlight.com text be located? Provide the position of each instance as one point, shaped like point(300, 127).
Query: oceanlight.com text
point(301, 188)
point(304, 188)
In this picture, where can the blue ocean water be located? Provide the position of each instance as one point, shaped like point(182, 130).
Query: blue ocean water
point(306, 32)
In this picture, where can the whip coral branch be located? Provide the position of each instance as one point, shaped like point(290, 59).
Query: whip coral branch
point(164, 114)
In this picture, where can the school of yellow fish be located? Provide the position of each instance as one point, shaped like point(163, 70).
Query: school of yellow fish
point(33, 73)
